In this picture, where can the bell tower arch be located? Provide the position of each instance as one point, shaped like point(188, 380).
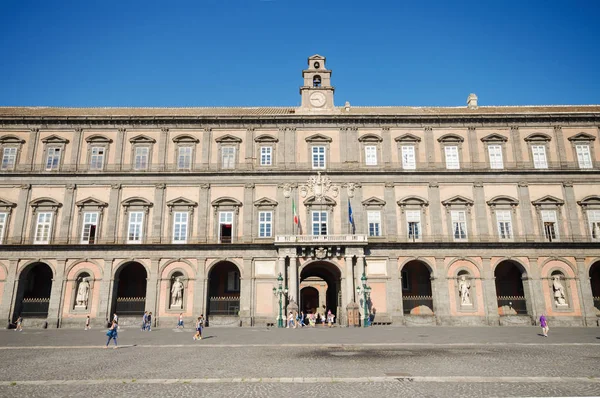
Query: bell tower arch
point(317, 91)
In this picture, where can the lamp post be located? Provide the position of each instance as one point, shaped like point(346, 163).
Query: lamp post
point(281, 292)
point(366, 292)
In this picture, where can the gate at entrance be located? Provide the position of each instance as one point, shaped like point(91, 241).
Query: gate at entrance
point(130, 288)
point(33, 294)
point(321, 276)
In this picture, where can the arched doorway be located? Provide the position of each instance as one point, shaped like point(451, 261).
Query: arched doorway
point(330, 277)
point(223, 294)
point(309, 296)
point(33, 294)
point(595, 282)
point(130, 290)
point(509, 289)
point(417, 297)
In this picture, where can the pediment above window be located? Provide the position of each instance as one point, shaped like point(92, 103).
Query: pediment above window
point(540, 137)
point(502, 200)
point(451, 138)
point(186, 138)
point(6, 205)
point(97, 138)
point(548, 200)
point(226, 201)
point(373, 202)
point(325, 201)
point(408, 138)
point(582, 137)
point(413, 201)
point(181, 202)
point(265, 202)
point(55, 139)
point(370, 138)
point(11, 139)
point(266, 138)
point(136, 201)
point(457, 200)
point(590, 201)
point(91, 202)
point(318, 138)
point(494, 138)
point(46, 203)
point(228, 139)
point(142, 139)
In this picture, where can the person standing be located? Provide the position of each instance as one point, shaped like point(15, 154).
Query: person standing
point(19, 324)
point(149, 322)
point(144, 320)
point(544, 325)
point(112, 334)
point(198, 335)
point(180, 321)
point(87, 323)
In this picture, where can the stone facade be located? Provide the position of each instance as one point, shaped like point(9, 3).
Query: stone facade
point(467, 215)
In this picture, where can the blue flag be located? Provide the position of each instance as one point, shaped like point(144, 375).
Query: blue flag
point(351, 217)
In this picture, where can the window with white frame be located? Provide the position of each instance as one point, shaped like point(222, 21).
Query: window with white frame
point(228, 157)
point(459, 224)
point(413, 224)
point(141, 158)
point(539, 156)
point(371, 155)
point(408, 157)
point(266, 155)
point(504, 220)
point(495, 154)
point(374, 221)
point(43, 228)
point(3, 218)
point(135, 227)
point(89, 227)
point(225, 226)
point(265, 224)
point(180, 226)
point(318, 157)
point(451, 153)
point(53, 158)
point(97, 157)
point(319, 223)
point(584, 157)
point(549, 221)
point(9, 158)
point(184, 158)
point(594, 222)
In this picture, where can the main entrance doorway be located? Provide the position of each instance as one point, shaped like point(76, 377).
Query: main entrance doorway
point(509, 289)
point(130, 288)
point(33, 294)
point(224, 294)
point(325, 279)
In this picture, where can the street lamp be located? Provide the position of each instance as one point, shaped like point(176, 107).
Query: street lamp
point(366, 292)
point(281, 292)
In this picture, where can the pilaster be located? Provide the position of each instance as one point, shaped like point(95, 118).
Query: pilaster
point(359, 271)
point(344, 144)
point(534, 292)
point(249, 229)
point(206, 147)
point(10, 291)
point(571, 212)
point(152, 289)
point(481, 218)
point(198, 306)
point(390, 218)
point(526, 213)
point(281, 151)
point(429, 149)
point(515, 139)
point(394, 292)
point(119, 148)
point(114, 205)
point(386, 148)
point(473, 148)
point(106, 286)
point(158, 215)
point(67, 215)
point(163, 144)
point(203, 212)
point(249, 149)
point(586, 297)
point(435, 211)
point(441, 296)
point(56, 294)
point(246, 293)
point(489, 293)
point(348, 291)
point(290, 147)
point(76, 151)
point(34, 140)
point(560, 145)
point(21, 213)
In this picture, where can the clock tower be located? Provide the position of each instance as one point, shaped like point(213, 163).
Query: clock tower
point(317, 92)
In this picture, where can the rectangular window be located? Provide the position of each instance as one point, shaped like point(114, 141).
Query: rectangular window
point(408, 157)
point(184, 158)
point(97, 158)
point(318, 157)
point(141, 158)
point(90, 226)
point(539, 156)
point(371, 155)
point(43, 228)
point(594, 220)
point(180, 226)
point(374, 221)
point(452, 157)
point(319, 223)
point(405, 282)
point(233, 281)
point(495, 152)
point(225, 226)
point(3, 218)
point(413, 224)
point(583, 156)
point(265, 224)
point(228, 157)
point(550, 226)
point(459, 225)
point(266, 156)
point(9, 158)
point(134, 230)
point(504, 220)
point(53, 158)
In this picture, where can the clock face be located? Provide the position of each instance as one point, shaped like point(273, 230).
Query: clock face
point(318, 99)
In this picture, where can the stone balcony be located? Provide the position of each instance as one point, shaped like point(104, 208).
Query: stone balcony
point(348, 239)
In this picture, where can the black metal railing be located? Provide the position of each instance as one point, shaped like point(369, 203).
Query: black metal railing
point(409, 303)
point(35, 306)
point(516, 303)
point(130, 305)
point(224, 306)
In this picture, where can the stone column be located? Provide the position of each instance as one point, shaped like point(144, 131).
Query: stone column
point(534, 293)
point(515, 139)
point(526, 213)
point(293, 288)
point(394, 292)
point(56, 294)
point(246, 293)
point(389, 213)
point(344, 144)
point(163, 144)
point(489, 293)
point(76, 151)
point(473, 148)
point(21, 213)
point(429, 148)
point(586, 297)
point(386, 148)
point(199, 306)
point(10, 290)
point(34, 139)
point(441, 296)
point(249, 149)
point(280, 152)
point(119, 148)
point(67, 215)
point(571, 212)
point(206, 147)
point(359, 271)
point(152, 285)
point(114, 205)
point(435, 213)
point(158, 215)
point(481, 218)
point(290, 147)
point(348, 290)
point(248, 210)
point(203, 213)
point(103, 314)
point(560, 145)
point(352, 145)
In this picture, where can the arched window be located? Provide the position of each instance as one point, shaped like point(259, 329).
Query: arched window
point(317, 81)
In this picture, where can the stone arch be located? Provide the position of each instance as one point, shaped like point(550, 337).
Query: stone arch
point(513, 293)
point(453, 271)
point(130, 288)
point(224, 282)
point(26, 264)
point(190, 273)
point(522, 267)
point(98, 273)
point(569, 269)
point(337, 266)
point(429, 266)
point(34, 289)
point(123, 263)
point(214, 263)
point(329, 272)
point(3, 271)
point(416, 275)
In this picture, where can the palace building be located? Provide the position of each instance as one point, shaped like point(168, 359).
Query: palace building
point(470, 215)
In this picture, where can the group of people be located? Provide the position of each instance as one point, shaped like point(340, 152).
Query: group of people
point(295, 320)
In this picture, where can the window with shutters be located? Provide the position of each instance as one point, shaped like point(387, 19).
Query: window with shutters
point(43, 228)
point(135, 227)
point(408, 149)
point(584, 157)
point(10, 148)
point(184, 157)
point(319, 223)
point(228, 157)
point(495, 154)
point(180, 226)
point(408, 157)
point(582, 145)
point(504, 221)
point(374, 223)
point(265, 224)
point(9, 158)
point(452, 161)
point(549, 221)
point(594, 224)
point(3, 218)
point(97, 157)
point(413, 224)
point(266, 155)
point(53, 156)
point(90, 227)
point(141, 158)
point(459, 225)
point(371, 155)
point(539, 156)
point(318, 157)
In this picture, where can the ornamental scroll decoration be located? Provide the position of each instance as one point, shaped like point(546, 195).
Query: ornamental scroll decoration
point(319, 186)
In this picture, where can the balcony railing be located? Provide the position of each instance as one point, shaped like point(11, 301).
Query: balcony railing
point(321, 239)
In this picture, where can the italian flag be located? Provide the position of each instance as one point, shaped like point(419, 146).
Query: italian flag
point(294, 212)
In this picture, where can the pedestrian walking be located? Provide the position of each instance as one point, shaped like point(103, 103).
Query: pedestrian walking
point(115, 318)
point(180, 321)
point(87, 323)
point(290, 320)
point(311, 320)
point(149, 322)
point(19, 324)
point(301, 319)
point(199, 322)
point(330, 318)
point(544, 325)
point(112, 334)
point(144, 320)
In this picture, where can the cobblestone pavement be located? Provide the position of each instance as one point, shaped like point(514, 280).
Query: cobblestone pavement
point(413, 362)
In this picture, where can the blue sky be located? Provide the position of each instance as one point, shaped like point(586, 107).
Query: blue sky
point(251, 52)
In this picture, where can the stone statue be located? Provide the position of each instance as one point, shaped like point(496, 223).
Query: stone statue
point(177, 294)
point(83, 293)
point(463, 290)
point(559, 291)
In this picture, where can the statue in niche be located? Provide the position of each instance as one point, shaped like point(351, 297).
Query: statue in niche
point(83, 293)
point(177, 293)
point(559, 291)
point(463, 289)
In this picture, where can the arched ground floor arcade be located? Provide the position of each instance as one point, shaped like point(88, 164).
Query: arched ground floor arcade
point(234, 286)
